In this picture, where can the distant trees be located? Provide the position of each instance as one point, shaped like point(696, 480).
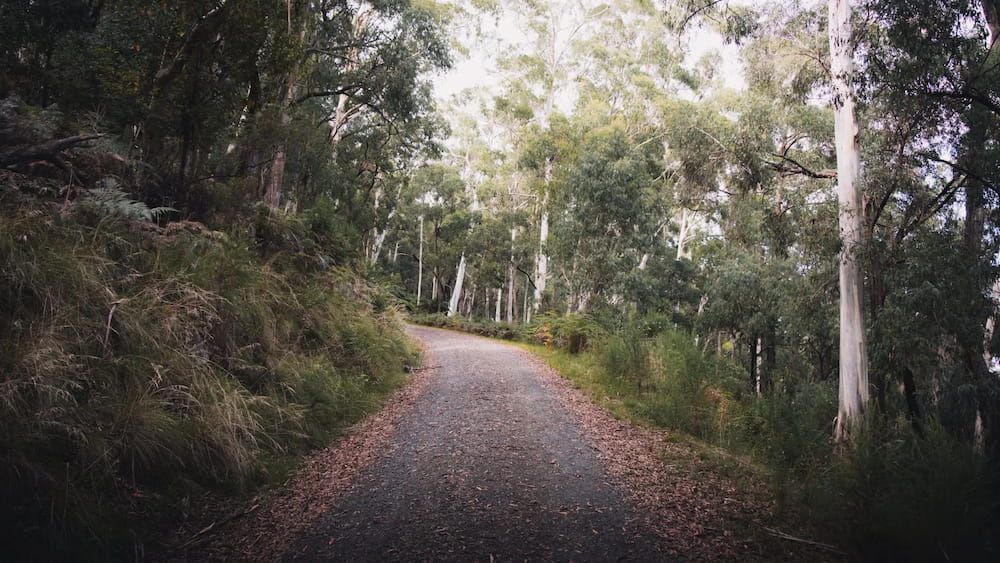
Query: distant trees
point(744, 215)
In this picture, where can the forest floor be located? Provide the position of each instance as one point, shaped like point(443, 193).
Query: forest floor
point(489, 455)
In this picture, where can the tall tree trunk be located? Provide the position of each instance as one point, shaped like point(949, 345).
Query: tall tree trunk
point(344, 113)
point(272, 193)
point(511, 281)
point(456, 291)
point(499, 301)
point(975, 228)
point(525, 315)
point(470, 302)
point(420, 261)
point(854, 393)
point(542, 265)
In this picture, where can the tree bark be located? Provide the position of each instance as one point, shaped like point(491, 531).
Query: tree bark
point(542, 265)
point(854, 393)
point(511, 273)
point(420, 261)
point(456, 291)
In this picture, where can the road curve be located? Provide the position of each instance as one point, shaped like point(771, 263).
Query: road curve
point(488, 465)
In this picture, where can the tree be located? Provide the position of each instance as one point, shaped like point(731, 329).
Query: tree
point(854, 393)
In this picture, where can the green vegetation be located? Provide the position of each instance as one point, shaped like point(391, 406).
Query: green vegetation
point(189, 195)
point(137, 363)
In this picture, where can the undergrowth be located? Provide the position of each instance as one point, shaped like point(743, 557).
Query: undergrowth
point(137, 361)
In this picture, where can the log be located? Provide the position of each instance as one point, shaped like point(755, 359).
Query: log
point(48, 151)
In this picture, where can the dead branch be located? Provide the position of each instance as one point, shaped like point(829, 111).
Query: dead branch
point(782, 535)
point(48, 151)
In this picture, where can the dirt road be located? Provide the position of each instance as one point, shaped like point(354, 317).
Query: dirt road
point(488, 464)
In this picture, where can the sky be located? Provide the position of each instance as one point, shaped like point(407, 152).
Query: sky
point(479, 67)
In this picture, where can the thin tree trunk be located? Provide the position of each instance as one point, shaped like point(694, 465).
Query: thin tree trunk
point(524, 315)
point(511, 273)
point(542, 264)
point(499, 301)
point(420, 261)
point(854, 393)
point(470, 302)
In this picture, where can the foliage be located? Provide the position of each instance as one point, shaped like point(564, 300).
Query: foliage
point(134, 363)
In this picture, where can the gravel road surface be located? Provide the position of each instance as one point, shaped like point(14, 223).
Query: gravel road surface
point(489, 464)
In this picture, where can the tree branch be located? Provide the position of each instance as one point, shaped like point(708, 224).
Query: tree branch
point(48, 151)
point(788, 165)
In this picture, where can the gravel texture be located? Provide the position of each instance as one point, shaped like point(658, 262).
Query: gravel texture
point(489, 464)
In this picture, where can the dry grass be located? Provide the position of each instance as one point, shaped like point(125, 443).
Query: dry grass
point(133, 363)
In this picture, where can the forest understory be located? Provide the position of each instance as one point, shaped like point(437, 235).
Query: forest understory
point(762, 234)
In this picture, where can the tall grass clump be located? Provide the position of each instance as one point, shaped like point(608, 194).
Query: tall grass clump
point(137, 360)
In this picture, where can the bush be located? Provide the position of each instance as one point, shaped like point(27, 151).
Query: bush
point(570, 333)
point(626, 357)
point(136, 359)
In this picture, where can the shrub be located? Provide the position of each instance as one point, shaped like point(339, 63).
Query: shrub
point(626, 357)
point(138, 359)
point(571, 333)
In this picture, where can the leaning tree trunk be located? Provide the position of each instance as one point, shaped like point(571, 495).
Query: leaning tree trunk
point(456, 292)
point(854, 393)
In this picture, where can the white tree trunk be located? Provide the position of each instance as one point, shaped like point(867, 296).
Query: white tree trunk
point(456, 292)
point(542, 264)
point(684, 234)
point(420, 261)
point(499, 301)
point(854, 393)
point(526, 314)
